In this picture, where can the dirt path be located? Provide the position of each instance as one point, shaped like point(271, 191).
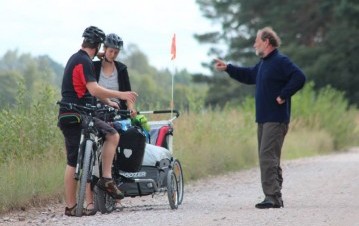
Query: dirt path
point(317, 191)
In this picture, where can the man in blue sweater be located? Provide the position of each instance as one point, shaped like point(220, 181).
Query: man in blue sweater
point(276, 79)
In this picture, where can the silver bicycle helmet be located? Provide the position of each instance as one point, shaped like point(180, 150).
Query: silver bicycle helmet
point(113, 41)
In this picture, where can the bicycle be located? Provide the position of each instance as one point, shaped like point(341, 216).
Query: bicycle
point(91, 143)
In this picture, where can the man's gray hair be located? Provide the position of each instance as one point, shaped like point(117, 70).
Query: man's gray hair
point(271, 35)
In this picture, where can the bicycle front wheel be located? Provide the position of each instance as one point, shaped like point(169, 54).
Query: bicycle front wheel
point(85, 173)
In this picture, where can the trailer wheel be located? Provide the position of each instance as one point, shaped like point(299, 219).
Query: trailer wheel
point(172, 188)
point(177, 169)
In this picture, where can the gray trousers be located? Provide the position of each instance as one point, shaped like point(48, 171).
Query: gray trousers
point(270, 141)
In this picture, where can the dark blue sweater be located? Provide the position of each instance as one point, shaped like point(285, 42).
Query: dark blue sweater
point(275, 75)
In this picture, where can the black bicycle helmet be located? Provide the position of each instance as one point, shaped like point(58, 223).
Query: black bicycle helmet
point(113, 41)
point(94, 34)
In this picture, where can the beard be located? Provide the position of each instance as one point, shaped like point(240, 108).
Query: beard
point(259, 53)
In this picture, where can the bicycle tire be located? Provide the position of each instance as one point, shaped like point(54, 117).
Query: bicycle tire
point(85, 172)
point(104, 202)
point(177, 169)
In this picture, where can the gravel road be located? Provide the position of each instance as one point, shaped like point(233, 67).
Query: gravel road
point(316, 191)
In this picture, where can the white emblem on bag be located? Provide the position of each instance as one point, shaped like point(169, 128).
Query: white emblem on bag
point(127, 152)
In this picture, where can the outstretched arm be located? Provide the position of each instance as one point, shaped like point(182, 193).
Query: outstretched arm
point(103, 93)
point(245, 75)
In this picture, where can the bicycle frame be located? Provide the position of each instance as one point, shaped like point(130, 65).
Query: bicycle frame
point(89, 133)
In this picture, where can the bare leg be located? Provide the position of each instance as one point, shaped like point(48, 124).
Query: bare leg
point(108, 153)
point(89, 197)
point(70, 186)
point(70, 189)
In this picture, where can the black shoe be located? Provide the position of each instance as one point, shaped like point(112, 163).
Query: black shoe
point(266, 204)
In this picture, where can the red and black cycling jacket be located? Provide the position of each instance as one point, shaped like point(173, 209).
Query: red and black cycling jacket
point(79, 70)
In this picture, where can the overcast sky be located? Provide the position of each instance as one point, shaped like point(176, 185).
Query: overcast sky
point(55, 28)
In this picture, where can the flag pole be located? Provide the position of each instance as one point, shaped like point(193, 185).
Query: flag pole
point(172, 98)
point(173, 57)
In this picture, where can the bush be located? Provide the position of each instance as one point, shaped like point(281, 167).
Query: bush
point(30, 132)
point(326, 110)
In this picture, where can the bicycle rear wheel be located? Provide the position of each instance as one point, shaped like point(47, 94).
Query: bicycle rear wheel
point(104, 202)
point(84, 176)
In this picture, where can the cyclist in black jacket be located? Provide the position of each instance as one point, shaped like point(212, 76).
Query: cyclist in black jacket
point(79, 86)
point(111, 73)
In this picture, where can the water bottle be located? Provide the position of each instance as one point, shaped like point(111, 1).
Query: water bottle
point(122, 125)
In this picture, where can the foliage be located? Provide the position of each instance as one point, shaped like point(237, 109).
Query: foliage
point(328, 110)
point(222, 90)
point(31, 182)
point(207, 142)
point(319, 35)
point(8, 84)
point(32, 72)
point(29, 132)
point(31, 149)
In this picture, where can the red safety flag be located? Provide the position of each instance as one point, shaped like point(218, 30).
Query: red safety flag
point(173, 47)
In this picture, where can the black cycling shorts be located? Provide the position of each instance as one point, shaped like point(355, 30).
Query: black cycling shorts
point(72, 135)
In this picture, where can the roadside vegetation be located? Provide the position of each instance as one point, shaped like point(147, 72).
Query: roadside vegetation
point(207, 141)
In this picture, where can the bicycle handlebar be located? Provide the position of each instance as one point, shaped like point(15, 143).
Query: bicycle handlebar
point(92, 109)
point(105, 108)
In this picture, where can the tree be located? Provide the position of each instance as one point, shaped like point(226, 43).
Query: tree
point(8, 87)
point(31, 71)
point(319, 35)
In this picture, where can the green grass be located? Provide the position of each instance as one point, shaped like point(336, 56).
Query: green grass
point(29, 183)
point(214, 142)
point(303, 142)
